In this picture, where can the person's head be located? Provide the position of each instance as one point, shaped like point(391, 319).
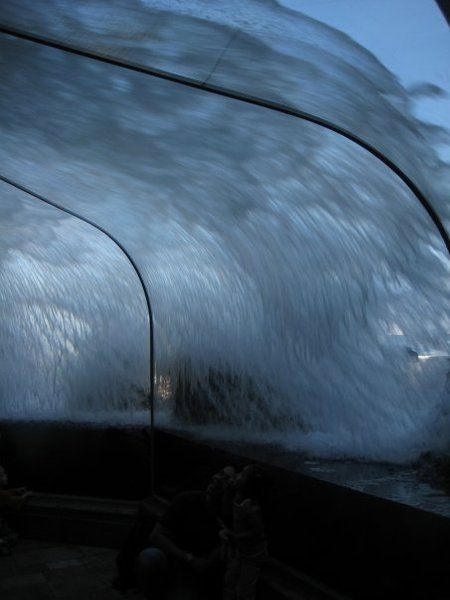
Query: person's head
point(251, 482)
point(218, 484)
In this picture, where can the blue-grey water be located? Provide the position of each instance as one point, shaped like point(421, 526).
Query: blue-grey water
point(298, 287)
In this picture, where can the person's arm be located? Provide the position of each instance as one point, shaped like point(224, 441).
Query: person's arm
point(242, 535)
point(20, 491)
point(12, 501)
point(205, 562)
point(162, 538)
point(253, 522)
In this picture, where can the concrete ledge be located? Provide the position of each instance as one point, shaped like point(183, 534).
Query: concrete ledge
point(75, 520)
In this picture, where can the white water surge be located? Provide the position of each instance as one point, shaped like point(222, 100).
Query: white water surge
point(298, 286)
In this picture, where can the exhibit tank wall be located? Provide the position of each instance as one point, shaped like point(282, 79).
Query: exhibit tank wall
point(300, 291)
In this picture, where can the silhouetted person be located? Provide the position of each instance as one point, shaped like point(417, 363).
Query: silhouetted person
point(245, 541)
point(183, 562)
point(11, 500)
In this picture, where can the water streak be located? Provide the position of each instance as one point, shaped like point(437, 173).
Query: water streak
point(297, 285)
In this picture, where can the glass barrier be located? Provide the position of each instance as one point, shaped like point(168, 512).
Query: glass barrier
point(299, 290)
point(261, 49)
point(62, 285)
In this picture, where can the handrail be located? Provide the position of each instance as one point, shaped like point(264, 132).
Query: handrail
point(147, 300)
point(236, 95)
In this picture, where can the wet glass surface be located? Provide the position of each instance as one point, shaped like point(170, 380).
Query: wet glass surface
point(278, 255)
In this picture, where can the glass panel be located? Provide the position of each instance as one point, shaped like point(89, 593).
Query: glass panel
point(274, 251)
point(268, 51)
point(66, 298)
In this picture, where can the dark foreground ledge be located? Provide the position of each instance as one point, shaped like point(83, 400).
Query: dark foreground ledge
point(361, 545)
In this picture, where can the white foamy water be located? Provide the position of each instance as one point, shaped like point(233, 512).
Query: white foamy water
point(298, 286)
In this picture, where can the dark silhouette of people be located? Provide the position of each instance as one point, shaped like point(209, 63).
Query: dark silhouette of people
point(11, 500)
point(183, 560)
point(245, 542)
